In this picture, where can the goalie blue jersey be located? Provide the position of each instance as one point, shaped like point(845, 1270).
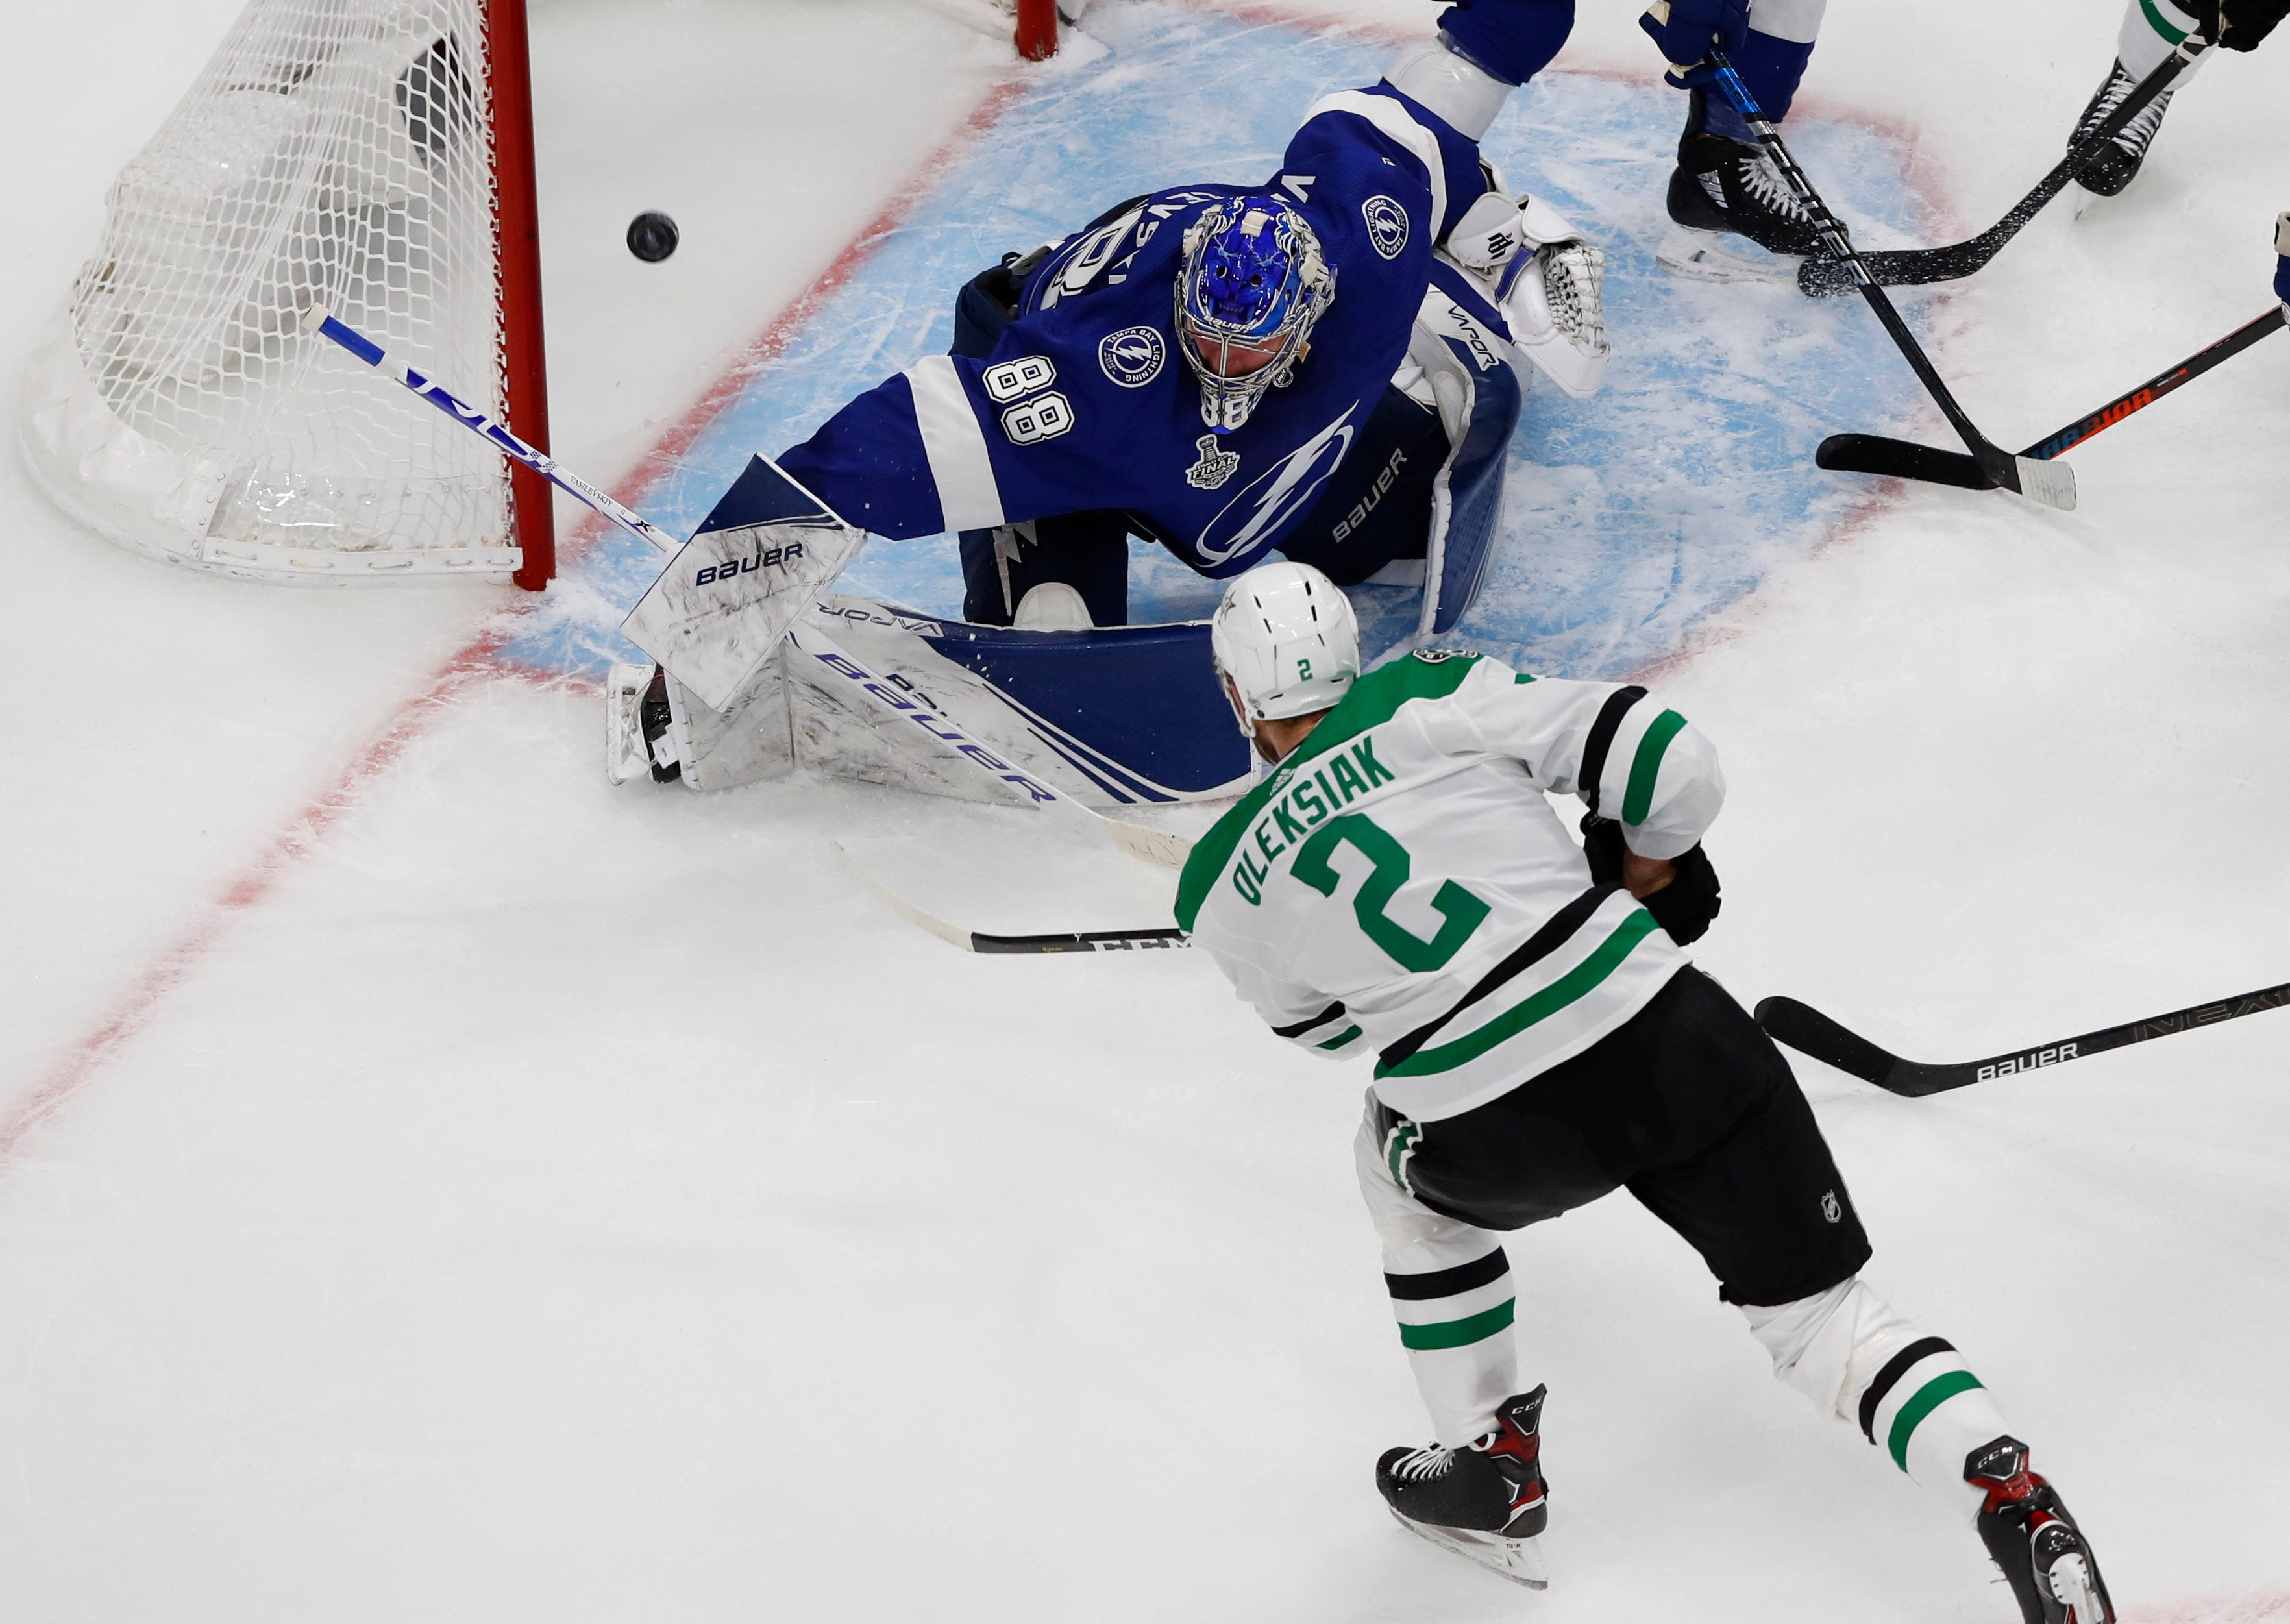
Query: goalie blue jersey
point(1085, 402)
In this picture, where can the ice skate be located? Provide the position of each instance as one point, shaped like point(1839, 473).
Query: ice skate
point(637, 723)
point(1723, 193)
point(2027, 1528)
point(2118, 161)
point(1487, 1502)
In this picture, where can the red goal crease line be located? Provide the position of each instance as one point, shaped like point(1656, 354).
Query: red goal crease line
point(477, 661)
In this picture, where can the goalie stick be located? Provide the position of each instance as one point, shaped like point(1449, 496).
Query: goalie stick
point(1914, 266)
point(1876, 454)
point(2050, 483)
point(1810, 1032)
point(1150, 845)
point(982, 941)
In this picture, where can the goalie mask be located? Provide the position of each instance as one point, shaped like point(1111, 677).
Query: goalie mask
point(1251, 284)
point(1285, 642)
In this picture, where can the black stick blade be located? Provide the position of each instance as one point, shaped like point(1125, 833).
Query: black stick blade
point(1876, 454)
point(1080, 942)
point(1808, 1031)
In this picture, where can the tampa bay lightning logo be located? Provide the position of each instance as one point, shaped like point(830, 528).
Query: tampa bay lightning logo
point(1270, 500)
point(1133, 356)
point(1387, 225)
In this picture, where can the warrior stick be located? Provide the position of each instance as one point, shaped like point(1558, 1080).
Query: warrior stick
point(2051, 484)
point(1876, 454)
point(1911, 267)
point(1810, 1032)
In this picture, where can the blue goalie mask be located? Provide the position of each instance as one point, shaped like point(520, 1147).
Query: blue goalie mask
point(1252, 284)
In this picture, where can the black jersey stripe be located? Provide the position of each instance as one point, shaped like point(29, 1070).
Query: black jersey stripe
point(1546, 940)
point(1601, 740)
point(1896, 1367)
point(1320, 1020)
point(1449, 1282)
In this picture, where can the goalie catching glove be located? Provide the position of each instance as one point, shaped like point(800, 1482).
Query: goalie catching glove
point(1545, 277)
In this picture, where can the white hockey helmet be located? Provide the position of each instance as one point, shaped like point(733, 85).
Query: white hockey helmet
point(1286, 643)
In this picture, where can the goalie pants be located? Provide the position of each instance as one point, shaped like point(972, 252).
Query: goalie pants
point(1376, 508)
point(1689, 1106)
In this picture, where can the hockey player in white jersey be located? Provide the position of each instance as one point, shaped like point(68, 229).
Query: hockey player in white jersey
point(2151, 31)
point(1399, 886)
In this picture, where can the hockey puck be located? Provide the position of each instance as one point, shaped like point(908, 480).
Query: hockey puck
point(652, 237)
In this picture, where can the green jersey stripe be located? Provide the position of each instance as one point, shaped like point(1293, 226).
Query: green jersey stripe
point(1646, 766)
point(1459, 1332)
point(1928, 1398)
point(1340, 1039)
point(2177, 36)
point(1603, 959)
point(1373, 699)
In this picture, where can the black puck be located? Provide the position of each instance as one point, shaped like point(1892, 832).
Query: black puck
point(652, 237)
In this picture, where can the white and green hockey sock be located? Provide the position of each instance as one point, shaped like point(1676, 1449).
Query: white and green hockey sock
point(2151, 30)
point(1911, 1395)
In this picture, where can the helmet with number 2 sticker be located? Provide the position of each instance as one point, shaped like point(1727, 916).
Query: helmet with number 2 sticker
point(1286, 642)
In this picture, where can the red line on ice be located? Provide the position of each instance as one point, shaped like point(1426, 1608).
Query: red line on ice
point(473, 662)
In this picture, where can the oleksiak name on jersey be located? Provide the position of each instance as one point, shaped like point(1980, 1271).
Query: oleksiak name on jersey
point(1085, 402)
point(1401, 885)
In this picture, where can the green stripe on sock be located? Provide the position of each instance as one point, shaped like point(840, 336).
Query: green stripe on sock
point(2177, 36)
point(1459, 1332)
point(1929, 1397)
point(1340, 1039)
point(1646, 766)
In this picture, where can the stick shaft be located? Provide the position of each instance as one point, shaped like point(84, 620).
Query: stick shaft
point(2141, 397)
point(1839, 243)
point(320, 321)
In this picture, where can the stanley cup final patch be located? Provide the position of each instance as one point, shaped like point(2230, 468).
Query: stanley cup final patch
point(1133, 357)
point(1387, 225)
point(1215, 468)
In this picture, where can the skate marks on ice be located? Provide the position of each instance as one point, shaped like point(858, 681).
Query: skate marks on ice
point(1633, 517)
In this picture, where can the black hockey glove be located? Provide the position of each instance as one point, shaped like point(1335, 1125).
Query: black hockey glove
point(2239, 25)
point(1602, 843)
point(1690, 902)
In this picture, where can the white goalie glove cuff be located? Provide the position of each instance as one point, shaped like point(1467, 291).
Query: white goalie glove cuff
point(1548, 280)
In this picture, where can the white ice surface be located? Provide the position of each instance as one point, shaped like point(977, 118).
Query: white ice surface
point(536, 1202)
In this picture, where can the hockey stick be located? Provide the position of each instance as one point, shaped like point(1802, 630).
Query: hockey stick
point(2051, 484)
point(1810, 1032)
point(1912, 267)
point(982, 941)
point(1874, 453)
point(1151, 845)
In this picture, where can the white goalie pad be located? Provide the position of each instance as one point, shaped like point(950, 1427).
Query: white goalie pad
point(802, 711)
point(718, 611)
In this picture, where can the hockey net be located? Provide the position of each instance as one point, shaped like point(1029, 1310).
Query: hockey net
point(375, 155)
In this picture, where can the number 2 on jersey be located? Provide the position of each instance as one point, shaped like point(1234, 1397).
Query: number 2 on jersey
point(1460, 911)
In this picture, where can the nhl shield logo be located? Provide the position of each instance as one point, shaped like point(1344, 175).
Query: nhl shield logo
point(1133, 357)
point(1215, 468)
point(1387, 225)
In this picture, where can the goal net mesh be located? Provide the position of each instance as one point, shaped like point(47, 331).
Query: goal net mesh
point(335, 152)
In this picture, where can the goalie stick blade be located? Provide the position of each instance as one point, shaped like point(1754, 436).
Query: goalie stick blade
point(986, 941)
point(1876, 454)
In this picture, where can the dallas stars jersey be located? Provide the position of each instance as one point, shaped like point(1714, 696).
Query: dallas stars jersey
point(1400, 886)
point(1086, 402)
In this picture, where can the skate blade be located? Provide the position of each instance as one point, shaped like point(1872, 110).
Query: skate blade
point(1709, 256)
point(626, 758)
point(1520, 1561)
